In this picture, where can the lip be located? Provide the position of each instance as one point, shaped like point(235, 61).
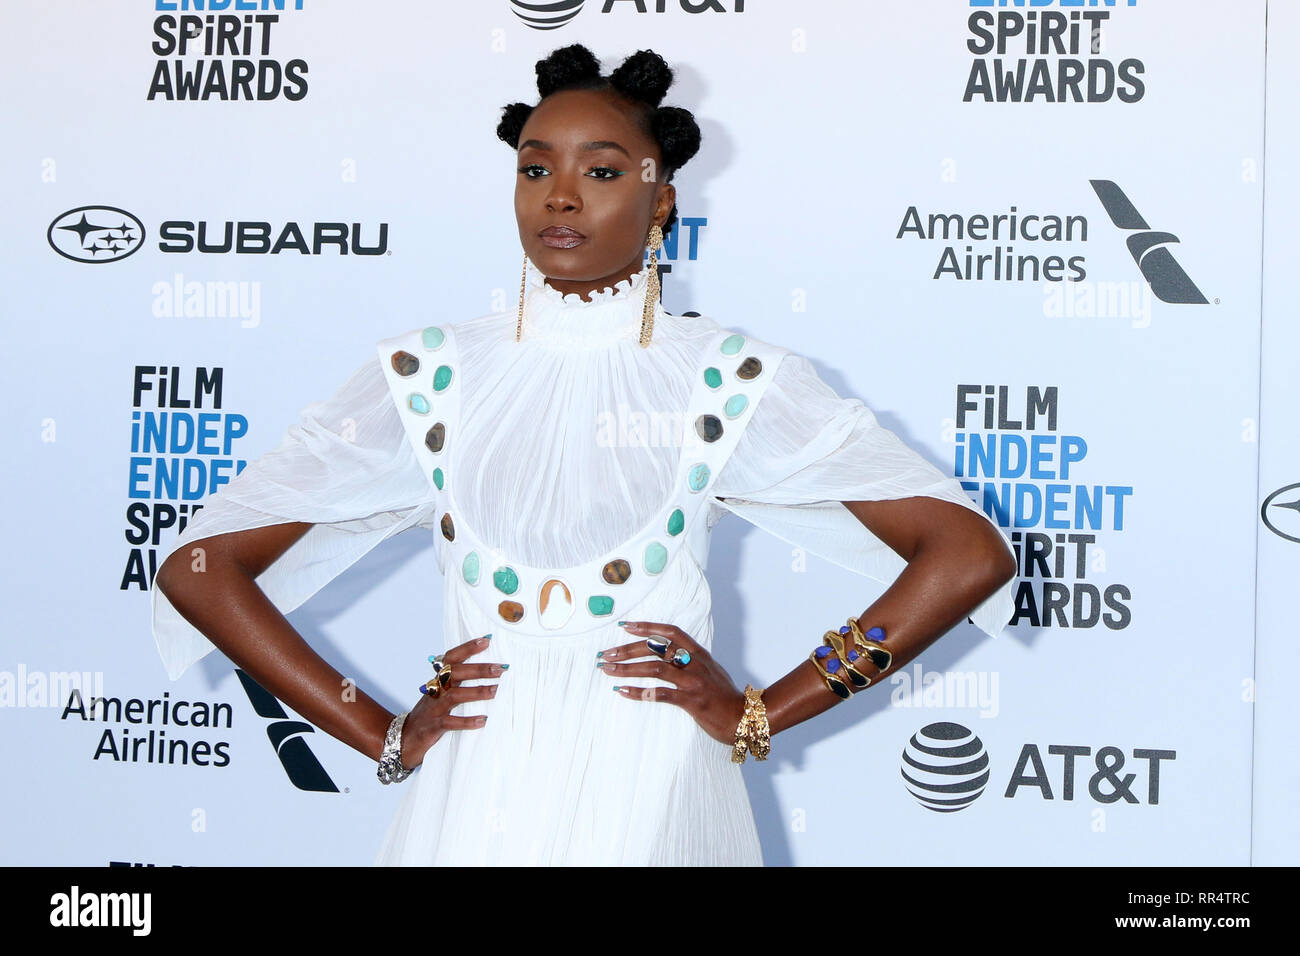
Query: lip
point(561, 237)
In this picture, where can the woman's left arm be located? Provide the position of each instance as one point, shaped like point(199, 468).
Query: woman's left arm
point(955, 560)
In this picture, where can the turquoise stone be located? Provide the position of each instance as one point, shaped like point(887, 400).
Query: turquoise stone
point(712, 377)
point(698, 477)
point(676, 521)
point(469, 568)
point(437, 478)
point(433, 337)
point(600, 605)
point(418, 403)
point(732, 344)
point(656, 556)
point(506, 580)
point(441, 377)
point(735, 405)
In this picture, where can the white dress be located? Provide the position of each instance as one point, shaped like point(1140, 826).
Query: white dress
point(570, 481)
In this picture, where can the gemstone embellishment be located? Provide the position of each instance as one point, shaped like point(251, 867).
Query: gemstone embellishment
point(404, 363)
point(441, 377)
point(749, 369)
point(469, 568)
point(448, 527)
point(732, 344)
point(712, 377)
point(708, 427)
point(433, 337)
point(554, 604)
point(616, 571)
point(418, 403)
point(511, 611)
point(438, 478)
point(656, 557)
point(735, 405)
point(676, 521)
point(435, 437)
point(698, 477)
point(600, 605)
point(506, 580)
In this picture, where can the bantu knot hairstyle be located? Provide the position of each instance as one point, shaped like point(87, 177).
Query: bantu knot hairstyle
point(642, 80)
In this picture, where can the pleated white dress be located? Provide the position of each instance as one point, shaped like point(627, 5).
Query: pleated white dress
point(574, 456)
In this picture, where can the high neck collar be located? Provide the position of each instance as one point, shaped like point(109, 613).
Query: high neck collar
point(564, 320)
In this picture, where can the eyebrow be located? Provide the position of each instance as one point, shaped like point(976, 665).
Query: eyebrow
point(592, 146)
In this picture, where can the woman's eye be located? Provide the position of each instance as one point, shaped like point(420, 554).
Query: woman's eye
point(597, 172)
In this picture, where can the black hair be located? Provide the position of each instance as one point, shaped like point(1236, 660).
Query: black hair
point(642, 81)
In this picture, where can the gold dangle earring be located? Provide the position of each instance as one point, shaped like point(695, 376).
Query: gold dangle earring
point(655, 241)
point(523, 278)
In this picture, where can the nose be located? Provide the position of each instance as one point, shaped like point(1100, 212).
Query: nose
point(563, 196)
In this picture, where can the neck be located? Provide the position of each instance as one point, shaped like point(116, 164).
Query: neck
point(583, 288)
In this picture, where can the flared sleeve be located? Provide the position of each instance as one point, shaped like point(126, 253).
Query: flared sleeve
point(806, 450)
point(346, 467)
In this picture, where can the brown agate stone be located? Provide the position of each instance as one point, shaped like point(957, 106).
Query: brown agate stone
point(750, 368)
point(435, 437)
point(616, 571)
point(448, 527)
point(511, 611)
point(404, 363)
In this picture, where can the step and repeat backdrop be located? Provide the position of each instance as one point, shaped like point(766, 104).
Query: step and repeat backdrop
point(1035, 238)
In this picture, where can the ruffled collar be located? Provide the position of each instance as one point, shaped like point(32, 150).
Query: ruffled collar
point(564, 320)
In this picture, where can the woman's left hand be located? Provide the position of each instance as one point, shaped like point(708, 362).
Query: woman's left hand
point(702, 688)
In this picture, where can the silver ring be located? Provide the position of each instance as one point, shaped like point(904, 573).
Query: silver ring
point(681, 657)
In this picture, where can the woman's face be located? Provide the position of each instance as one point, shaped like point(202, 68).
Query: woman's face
point(586, 191)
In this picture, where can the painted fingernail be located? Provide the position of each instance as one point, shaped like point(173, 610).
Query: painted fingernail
point(600, 664)
point(600, 653)
point(617, 688)
point(505, 667)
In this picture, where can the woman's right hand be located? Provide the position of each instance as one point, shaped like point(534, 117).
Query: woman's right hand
point(430, 718)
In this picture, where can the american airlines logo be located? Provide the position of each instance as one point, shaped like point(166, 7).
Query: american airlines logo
point(1150, 249)
point(304, 770)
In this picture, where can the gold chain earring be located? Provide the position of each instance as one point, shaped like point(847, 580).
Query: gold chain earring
point(523, 278)
point(655, 241)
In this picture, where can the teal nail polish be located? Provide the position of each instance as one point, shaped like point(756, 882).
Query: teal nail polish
point(600, 664)
point(621, 623)
point(505, 667)
point(600, 653)
point(487, 637)
point(616, 688)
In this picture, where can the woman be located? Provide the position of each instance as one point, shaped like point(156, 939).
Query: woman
point(571, 546)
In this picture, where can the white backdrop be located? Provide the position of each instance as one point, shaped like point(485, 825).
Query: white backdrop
point(1118, 711)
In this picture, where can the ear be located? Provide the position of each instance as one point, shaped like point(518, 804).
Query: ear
point(664, 202)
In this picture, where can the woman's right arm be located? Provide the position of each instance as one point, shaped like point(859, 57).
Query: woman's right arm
point(216, 591)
